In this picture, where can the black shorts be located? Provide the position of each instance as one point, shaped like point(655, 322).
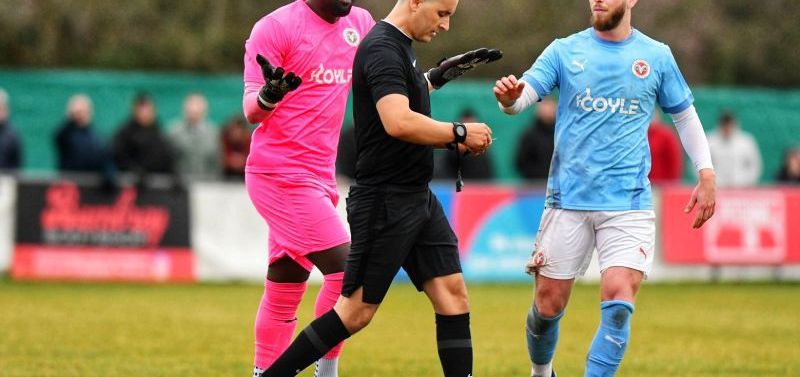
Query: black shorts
point(393, 227)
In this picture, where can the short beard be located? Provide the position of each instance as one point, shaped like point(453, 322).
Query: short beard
point(612, 21)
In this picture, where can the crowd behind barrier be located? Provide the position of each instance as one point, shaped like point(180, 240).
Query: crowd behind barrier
point(187, 178)
point(754, 133)
point(209, 231)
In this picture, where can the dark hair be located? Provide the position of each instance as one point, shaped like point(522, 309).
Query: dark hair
point(727, 117)
point(142, 98)
point(467, 113)
point(237, 120)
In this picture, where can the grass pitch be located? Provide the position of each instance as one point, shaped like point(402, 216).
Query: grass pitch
point(206, 330)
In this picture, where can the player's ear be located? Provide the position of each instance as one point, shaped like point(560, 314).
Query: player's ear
point(632, 3)
point(414, 5)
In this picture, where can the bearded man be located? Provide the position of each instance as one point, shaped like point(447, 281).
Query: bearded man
point(610, 77)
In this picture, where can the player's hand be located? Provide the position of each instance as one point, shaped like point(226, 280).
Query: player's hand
point(704, 198)
point(277, 84)
point(508, 89)
point(451, 68)
point(479, 137)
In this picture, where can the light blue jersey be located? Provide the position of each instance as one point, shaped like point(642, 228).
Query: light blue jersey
point(608, 92)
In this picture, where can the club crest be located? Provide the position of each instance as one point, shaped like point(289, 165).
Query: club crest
point(641, 68)
point(352, 37)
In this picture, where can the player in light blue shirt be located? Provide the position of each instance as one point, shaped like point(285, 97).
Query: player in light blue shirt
point(610, 78)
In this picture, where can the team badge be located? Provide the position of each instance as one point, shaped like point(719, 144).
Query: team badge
point(352, 37)
point(539, 259)
point(641, 68)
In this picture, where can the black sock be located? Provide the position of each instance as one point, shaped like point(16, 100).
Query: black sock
point(311, 344)
point(455, 344)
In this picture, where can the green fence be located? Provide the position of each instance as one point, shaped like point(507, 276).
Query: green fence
point(38, 100)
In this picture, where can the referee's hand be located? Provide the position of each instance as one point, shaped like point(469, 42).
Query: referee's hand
point(453, 68)
point(479, 137)
point(276, 86)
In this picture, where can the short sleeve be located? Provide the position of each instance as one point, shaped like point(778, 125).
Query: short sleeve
point(268, 38)
point(674, 94)
point(384, 71)
point(543, 76)
point(366, 22)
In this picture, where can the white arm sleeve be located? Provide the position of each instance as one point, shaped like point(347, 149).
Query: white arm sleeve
point(693, 138)
point(528, 98)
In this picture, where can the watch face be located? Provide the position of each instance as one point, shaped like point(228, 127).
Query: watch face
point(461, 130)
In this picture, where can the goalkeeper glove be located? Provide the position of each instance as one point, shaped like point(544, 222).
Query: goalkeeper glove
point(277, 85)
point(452, 68)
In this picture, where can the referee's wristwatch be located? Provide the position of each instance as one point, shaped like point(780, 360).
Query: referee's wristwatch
point(460, 132)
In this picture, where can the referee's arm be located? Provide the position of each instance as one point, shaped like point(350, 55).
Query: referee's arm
point(402, 123)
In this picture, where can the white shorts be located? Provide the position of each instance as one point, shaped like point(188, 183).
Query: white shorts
point(566, 239)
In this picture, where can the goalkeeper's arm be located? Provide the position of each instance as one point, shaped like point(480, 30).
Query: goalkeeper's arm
point(277, 83)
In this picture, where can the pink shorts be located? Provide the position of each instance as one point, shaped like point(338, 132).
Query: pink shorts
point(301, 214)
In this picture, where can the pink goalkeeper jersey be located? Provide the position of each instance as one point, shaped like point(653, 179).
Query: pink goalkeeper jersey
point(301, 135)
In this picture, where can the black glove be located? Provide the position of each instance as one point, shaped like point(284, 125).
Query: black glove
point(452, 68)
point(277, 85)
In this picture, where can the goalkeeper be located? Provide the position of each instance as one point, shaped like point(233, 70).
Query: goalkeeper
point(297, 77)
point(395, 220)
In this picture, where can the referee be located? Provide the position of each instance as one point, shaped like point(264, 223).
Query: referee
point(395, 220)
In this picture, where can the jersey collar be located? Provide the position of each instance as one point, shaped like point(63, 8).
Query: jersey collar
point(631, 38)
point(398, 29)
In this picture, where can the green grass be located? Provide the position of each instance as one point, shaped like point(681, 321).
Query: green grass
point(205, 330)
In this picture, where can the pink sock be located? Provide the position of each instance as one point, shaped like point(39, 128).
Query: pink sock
point(326, 299)
point(276, 320)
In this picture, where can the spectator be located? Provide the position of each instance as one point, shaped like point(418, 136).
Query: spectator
point(473, 167)
point(665, 153)
point(79, 148)
point(535, 147)
point(235, 147)
point(346, 153)
point(790, 171)
point(139, 145)
point(735, 154)
point(195, 141)
point(10, 146)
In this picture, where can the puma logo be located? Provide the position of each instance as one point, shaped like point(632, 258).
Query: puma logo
point(611, 339)
point(580, 64)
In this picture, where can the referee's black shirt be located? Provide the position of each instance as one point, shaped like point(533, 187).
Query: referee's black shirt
point(385, 63)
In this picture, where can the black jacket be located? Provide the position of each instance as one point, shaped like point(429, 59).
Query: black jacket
point(535, 150)
point(80, 149)
point(142, 149)
point(10, 148)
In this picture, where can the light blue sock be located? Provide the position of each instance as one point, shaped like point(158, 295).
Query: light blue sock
point(611, 339)
point(542, 334)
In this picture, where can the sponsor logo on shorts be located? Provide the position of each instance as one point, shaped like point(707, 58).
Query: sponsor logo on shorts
point(352, 37)
point(539, 259)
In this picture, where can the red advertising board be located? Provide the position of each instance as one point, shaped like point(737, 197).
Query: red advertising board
point(67, 231)
point(749, 227)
